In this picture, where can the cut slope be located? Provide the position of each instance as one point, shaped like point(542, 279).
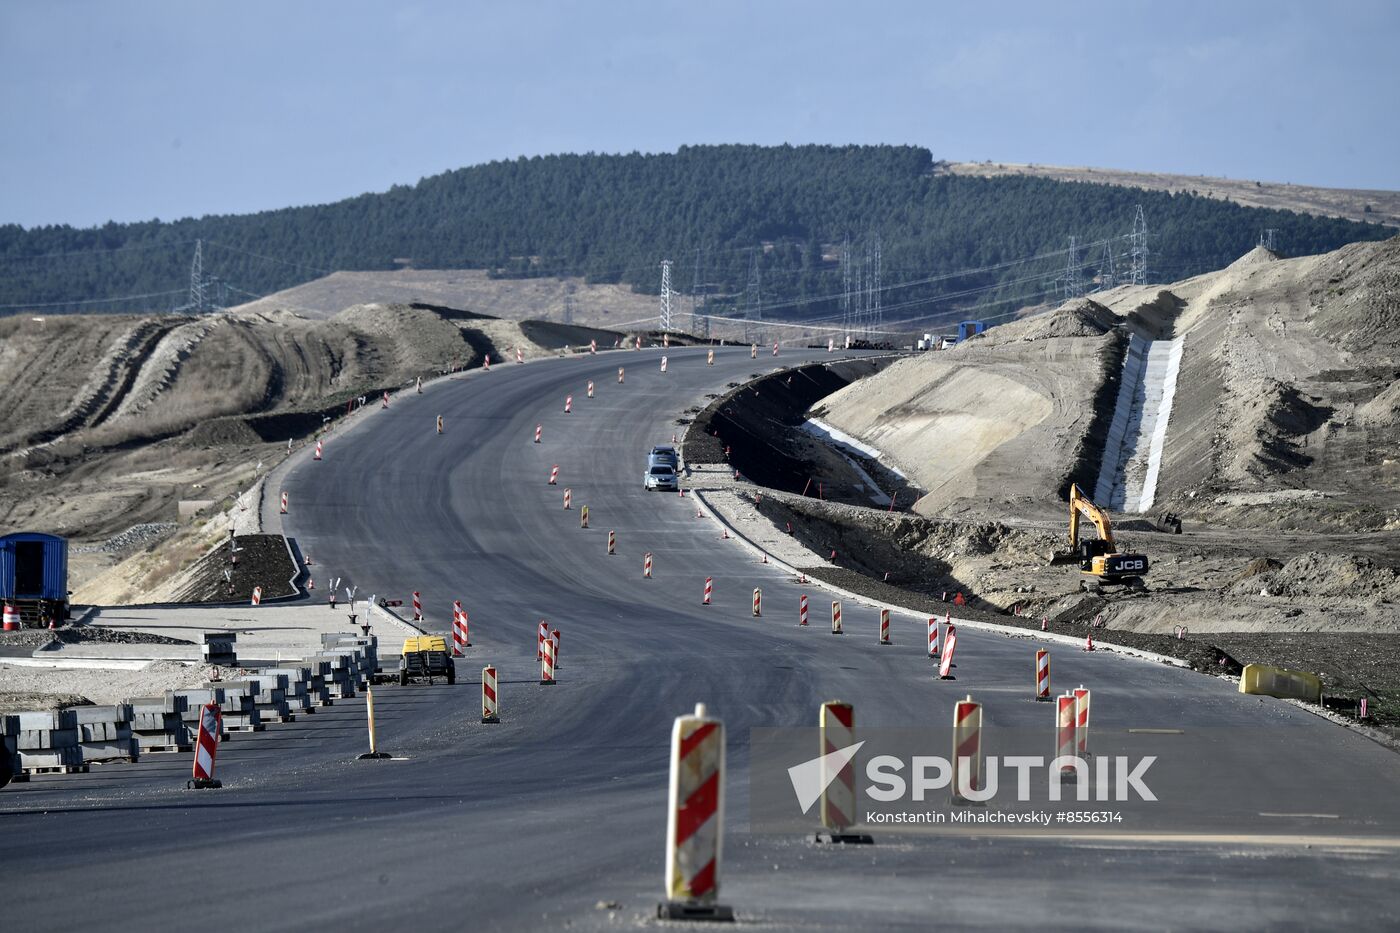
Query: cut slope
point(120, 418)
point(1009, 414)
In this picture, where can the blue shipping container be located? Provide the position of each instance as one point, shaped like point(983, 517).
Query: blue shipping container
point(967, 329)
point(34, 566)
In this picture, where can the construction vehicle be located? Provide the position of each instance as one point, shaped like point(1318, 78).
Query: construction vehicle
point(1099, 559)
point(425, 657)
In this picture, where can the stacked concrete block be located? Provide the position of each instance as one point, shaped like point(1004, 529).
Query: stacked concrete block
point(9, 742)
point(318, 672)
point(157, 726)
point(297, 688)
point(236, 704)
point(269, 695)
point(104, 733)
point(48, 741)
point(365, 647)
point(344, 672)
point(218, 648)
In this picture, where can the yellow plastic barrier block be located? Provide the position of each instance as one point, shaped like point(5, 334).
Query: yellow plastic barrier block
point(1281, 682)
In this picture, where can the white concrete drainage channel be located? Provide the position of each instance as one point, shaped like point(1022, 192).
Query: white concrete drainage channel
point(1132, 456)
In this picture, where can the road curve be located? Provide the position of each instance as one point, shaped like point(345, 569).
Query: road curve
point(1268, 816)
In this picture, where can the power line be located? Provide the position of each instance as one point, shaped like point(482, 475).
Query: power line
point(1137, 272)
point(285, 262)
point(92, 301)
point(753, 299)
point(1107, 273)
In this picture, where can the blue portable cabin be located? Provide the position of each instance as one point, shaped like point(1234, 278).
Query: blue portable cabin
point(34, 574)
point(968, 328)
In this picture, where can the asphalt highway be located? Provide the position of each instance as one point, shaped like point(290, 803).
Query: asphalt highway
point(1268, 817)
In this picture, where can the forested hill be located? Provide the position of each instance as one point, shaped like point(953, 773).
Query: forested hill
point(785, 209)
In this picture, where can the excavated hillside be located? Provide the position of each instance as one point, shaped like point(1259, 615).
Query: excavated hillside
point(1260, 404)
point(122, 421)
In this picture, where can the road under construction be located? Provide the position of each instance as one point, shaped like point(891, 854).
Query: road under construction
point(557, 815)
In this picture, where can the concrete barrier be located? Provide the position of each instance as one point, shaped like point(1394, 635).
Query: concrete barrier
point(1280, 682)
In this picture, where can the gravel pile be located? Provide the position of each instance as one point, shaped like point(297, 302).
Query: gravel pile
point(135, 536)
point(76, 634)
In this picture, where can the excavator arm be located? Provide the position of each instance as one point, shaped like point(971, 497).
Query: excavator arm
point(1078, 503)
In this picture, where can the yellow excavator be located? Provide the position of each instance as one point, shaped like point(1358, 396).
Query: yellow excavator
point(1099, 560)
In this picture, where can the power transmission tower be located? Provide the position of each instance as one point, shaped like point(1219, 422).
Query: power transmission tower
point(197, 296)
point(568, 317)
point(846, 284)
point(1266, 238)
point(1073, 285)
point(753, 301)
point(1137, 240)
point(1108, 275)
point(665, 295)
point(699, 300)
point(877, 311)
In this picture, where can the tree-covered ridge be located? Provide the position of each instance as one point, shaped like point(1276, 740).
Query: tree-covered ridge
point(614, 217)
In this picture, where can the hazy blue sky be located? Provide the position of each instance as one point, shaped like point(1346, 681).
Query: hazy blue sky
point(133, 110)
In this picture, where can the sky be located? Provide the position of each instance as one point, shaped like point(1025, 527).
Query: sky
point(138, 110)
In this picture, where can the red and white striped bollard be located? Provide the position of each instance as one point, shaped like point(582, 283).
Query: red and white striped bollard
point(1081, 721)
point(1065, 727)
point(967, 749)
point(885, 627)
point(206, 748)
point(547, 662)
point(695, 818)
point(837, 727)
point(1042, 675)
point(950, 644)
point(490, 696)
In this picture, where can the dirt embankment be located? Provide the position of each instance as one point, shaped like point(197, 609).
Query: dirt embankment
point(118, 419)
point(1276, 451)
